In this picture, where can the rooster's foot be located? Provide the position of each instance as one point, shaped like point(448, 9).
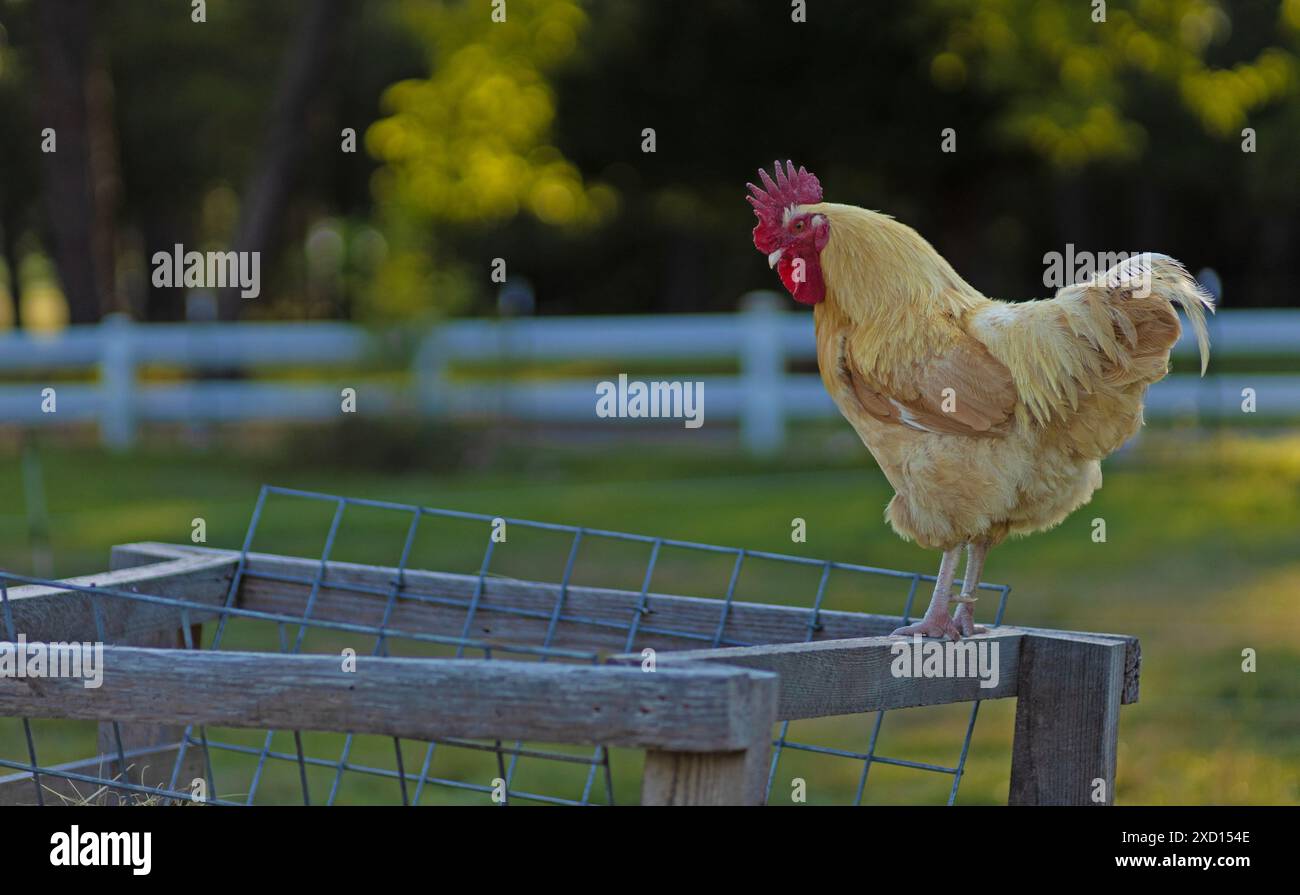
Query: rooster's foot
point(964, 620)
point(938, 625)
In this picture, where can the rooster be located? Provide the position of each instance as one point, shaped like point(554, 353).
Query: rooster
point(988, 418)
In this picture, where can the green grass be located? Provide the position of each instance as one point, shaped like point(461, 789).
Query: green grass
point(1200, 562)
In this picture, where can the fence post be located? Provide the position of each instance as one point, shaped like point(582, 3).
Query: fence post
point(158, 745)
point(116, 383)
point(163, 743)
point(762, 371)
point(430, 374)
point(720, 778)
point(1067, 720)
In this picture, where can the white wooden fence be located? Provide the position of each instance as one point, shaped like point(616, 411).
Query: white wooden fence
point(100, 380)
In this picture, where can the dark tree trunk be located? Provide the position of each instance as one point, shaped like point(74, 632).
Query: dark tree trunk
point(105, 178)
point(161, 228)
point(267, 191)
point(65, 27)
point(10, 247)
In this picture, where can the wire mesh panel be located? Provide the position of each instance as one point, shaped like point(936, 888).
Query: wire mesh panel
point(312, 778)
point(444, 583)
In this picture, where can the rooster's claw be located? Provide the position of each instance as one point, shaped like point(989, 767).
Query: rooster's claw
point(965, 621)
point(937, 626)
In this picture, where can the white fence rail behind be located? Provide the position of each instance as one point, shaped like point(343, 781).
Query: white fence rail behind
point(761, 339)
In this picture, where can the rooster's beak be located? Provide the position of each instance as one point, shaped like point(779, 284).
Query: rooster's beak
point(774, 257)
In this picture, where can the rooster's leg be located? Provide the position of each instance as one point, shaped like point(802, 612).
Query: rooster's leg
point(937, 622)
point(964, 618)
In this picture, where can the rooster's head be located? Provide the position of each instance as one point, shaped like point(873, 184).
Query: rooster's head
point(789, 233)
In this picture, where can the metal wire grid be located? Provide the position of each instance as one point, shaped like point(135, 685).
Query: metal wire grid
point(185, 608)
point(597, 763)
point(870, 757)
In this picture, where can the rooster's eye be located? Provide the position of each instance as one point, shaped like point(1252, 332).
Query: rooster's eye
point(798, 225)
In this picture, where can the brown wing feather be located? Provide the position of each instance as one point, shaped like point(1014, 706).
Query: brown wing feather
point(981, 403)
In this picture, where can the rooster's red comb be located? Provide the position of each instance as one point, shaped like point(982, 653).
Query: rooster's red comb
point(790, 188)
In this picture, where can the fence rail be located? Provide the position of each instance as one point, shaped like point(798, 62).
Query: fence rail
point(704, 716)
point(762, 340)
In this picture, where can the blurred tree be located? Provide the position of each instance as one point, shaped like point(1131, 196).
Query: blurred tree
point(1062, 137)
point(522, 140)
point(65, 59)
point(470, 143)
point(1163, 88)
point(306, 60)
point(187, 139)
point(19, 158)
point(727, 86)
point(1069, 78)
point(239, 143)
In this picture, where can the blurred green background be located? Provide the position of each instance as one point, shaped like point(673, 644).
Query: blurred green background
point(524, 140)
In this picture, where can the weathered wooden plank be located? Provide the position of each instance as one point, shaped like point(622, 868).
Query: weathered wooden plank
point(1067, 721)
point(843, 677)
point(697, 709)
point(520, 611)
point(514, 611)
point(57, 615)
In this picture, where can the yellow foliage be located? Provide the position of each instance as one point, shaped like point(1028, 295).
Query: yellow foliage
point(471, 143)
point(1069, 71)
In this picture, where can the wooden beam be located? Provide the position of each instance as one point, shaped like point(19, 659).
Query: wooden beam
point(844, 677)
point(696, 709)
point(58, 615)
point(1067, 721)
point(516, 611)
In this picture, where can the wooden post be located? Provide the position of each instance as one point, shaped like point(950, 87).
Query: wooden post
point(430, 375)
point(733, 777)
point(762, 368)
point(153, 749)
point(157, 746)
point(706, 778)
point(1067, 720)
point(117, 383)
